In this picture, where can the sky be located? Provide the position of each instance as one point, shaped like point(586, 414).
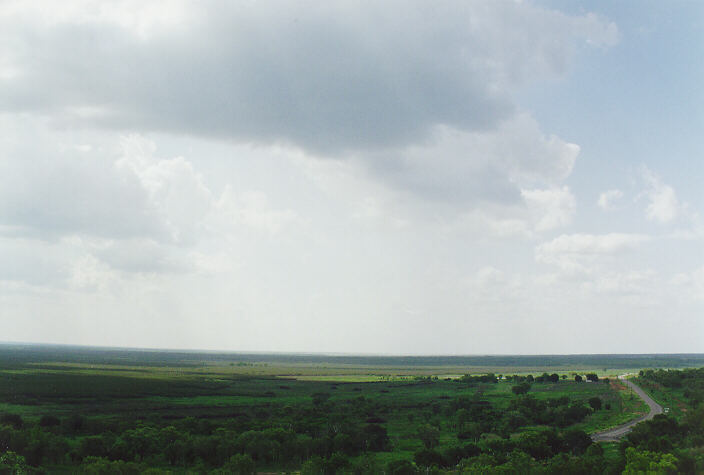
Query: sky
point(398, 177)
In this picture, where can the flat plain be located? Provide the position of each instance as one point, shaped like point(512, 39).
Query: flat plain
point(103, 394)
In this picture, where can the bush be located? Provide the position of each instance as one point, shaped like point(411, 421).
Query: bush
point(14, 420)
point(595, 403)
point(240, 464)
point(49, 421)
point(521, 388)
point(93, 446)
point(428, 458)
point(101, 465)
point(400, 467)
point(75, 424)
point(12, 463)
point(577, 441)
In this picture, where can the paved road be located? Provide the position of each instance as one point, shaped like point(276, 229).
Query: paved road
point(615, 434)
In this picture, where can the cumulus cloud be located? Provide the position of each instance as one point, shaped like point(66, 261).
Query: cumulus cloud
point(329, 78)
point(142, 255)
point(32, 262)
point(116, 205)
point(593, 243)
point(48, 193)
point(251, 209)
point(608, 198)
point(421, 98)
point(174, 189)
point(663, 205)
point(578, 252)
point(476, 167)
point(551, 208)
point(490, 284)
point(691, 284)
point(626, 283)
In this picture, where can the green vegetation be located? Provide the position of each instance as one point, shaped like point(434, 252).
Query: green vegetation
point(676, 391)
point(126, 413)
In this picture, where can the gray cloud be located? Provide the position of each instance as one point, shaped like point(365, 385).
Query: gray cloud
point(472, 168)
point(70, 192)
point(327, 77)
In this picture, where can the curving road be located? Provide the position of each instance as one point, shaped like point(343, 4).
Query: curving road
point(615, 434)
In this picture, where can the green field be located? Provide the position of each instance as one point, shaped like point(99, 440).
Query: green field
point(189, 412)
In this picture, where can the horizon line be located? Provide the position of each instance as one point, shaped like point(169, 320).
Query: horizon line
point(324, 353)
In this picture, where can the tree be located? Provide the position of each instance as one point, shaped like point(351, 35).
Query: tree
point(520, 463)
point(577, 441)
point(14, 420)
point(241, 464)
point(49, 421)
point(313, 466)
point(649, 462)
point(471, 430)
point(595, 403)
point(428, 458)
point(376, 438)
point(93, 446)
point(367, 464)
point(400, 467)
point(521, 388)
point(12, 463)
point(429, 435)
point(578, 378)
point(335, 463)
point(554, 377)
point(320, 398)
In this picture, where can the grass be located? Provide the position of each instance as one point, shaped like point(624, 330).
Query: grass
point(121, 393)
point(671, 399)
point(103, 388)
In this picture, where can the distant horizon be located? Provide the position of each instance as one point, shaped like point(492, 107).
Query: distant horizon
point(302, 353)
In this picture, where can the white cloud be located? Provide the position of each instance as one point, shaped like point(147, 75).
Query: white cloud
point(175, 190)
point(250, 209)
point(593, 243)
point(579, 252)
point(113, 205)
point(490, 284)
point(663, 205)
point(634, 282)
point(142, 256)
point(477, 167)
point(551, 208)
point(47, 192)
point(88, 273)
point(608, 198)
point(690, 284)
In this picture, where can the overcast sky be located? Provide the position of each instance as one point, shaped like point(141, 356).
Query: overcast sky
point(365, 177)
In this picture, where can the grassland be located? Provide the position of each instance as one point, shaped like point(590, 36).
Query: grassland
point(118, 391)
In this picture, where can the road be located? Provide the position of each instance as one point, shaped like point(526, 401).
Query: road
point(615, 434)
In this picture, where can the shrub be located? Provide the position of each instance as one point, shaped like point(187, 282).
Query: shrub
point(49, 421)
point(14, 420)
